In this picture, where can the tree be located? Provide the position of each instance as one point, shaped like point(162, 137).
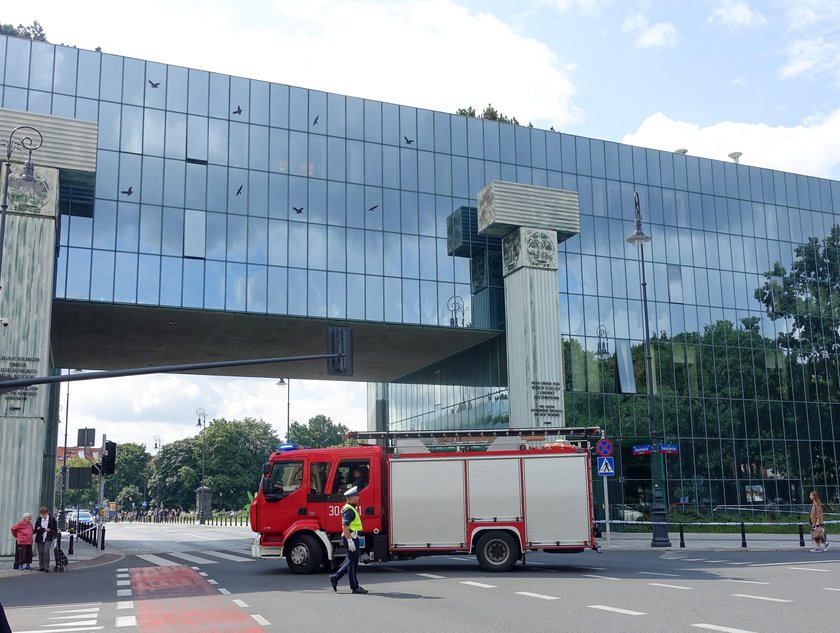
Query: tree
point(35, 32)
point(490, 113)
point(320, 432)
point(127, 496)
point(232, 452)
point(133, 468)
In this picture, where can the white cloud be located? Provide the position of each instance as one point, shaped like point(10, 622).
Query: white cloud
point(646, 35)
point(138, 409)
point(812, 50)
point(810, 148)
point(735, 14)
point(427, 53)
point(566, 6)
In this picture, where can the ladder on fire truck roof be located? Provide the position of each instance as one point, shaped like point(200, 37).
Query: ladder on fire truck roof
point(478, 439)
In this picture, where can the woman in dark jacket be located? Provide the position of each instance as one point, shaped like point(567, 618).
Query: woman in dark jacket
point(45, 531)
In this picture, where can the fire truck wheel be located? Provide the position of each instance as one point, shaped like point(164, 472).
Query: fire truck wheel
point(497, 551)
point(304, 554)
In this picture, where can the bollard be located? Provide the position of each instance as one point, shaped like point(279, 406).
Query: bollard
point(682, 536)
point(102, 539)
point(801, 536)
point(70, 547)
point(743, 535)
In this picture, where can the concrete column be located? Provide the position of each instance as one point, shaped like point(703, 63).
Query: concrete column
point(26, 301)
point(531, 220)
point(532, 326)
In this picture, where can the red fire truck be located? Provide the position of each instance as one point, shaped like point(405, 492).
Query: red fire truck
point(495, 494)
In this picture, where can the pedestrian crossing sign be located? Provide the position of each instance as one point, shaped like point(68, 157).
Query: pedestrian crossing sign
point(606, 466)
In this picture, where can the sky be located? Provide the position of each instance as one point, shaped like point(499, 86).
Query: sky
point(710, 76)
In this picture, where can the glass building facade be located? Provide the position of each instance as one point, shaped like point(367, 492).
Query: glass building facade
point(222, 193)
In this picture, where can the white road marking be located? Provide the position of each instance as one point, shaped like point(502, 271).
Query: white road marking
point(79, 616)
point(125, 604)
point(432, 576)
point(796, 562)
point(718, 561)
point(598, 577)
point(831, 589)
point(202, 573)
point(541, 596)
point(224, 591)
point(723, 629)
point(125, 575)
point(77, 624)
point(659, 584)
point(123, 592)
point(157, 560)
point(746, 595)
point(212, 582)
point(260, 620)
point(123, 583)
point(658, 573)
point(615, 609)
point(240, 603)
point(92, 628)
point(741, 563)
point(693, 560)
point(193, 559)
point(809, 569)
point(126, 620)
point(121, 569)
point(88, 610)
point(480, 585)
point(746, 582)
point(226, 556)
point(594, 568)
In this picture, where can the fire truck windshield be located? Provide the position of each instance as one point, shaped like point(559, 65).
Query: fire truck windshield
point(284, 479)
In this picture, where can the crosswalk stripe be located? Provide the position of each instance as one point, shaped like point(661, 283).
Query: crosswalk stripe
point(126, 620)
point(226, 556)
point(157, 560)
point(616, 609)
point(193, 559)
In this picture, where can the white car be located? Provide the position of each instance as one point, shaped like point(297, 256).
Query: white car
point(623, 512)
point(81, 516)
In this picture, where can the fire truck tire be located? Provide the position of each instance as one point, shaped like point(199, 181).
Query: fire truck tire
point(497, 551)
point(304, 554)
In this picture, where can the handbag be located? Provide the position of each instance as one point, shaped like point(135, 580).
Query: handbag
point(818, 533)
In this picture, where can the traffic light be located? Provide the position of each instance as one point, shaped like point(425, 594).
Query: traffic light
point(340, 341)
point(109, 458)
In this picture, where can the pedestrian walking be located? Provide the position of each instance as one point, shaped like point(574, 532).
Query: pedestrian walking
point(351, 527)
point(22, 531)
point(45, 530)
point(815, 517)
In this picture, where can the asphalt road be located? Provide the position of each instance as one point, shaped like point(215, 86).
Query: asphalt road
point(190, 578)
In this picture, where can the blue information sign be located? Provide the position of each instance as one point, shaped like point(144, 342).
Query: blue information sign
point(604, 447)
point(671, 449)
point(643, 449)
point(606, 467)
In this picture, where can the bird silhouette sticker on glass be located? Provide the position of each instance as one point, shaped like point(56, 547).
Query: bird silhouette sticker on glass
point(408, 141)
point(238, 110)
point(128, 191)
point(315, 120)
point(239, 191)
point(153, 84)
point(298, 210)
point(373, 208)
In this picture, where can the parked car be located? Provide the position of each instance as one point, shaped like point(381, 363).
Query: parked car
point(621, 512)
point(80, 516)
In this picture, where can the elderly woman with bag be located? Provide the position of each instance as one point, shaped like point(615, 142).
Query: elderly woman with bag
point(23, 533)
point(815, 516)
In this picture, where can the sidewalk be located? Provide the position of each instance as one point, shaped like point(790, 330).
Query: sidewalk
point(706, 541)
point(84, 554)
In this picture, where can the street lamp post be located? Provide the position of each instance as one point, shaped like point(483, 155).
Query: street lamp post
point(287, 382)
point(658, 510)
point(158, 442)
point(28, 139)
point(202, 422)
point(62, 519)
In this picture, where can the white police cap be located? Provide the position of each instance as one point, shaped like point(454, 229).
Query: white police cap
point(352, 492)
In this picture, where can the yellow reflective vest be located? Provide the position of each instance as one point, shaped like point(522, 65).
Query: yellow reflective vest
point(356, 523)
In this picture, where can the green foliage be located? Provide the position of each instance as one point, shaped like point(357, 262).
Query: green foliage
point(128, 495)
point(133, 467)
point(490, 113)
point(320, 432)
point(232, 453)
point(35, 32)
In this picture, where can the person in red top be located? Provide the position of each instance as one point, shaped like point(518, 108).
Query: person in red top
point(23, 531)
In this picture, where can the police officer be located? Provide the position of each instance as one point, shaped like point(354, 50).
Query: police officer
point(351, 526)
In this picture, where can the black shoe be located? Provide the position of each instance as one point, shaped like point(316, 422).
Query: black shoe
point(334, 583)
point(360, 590)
